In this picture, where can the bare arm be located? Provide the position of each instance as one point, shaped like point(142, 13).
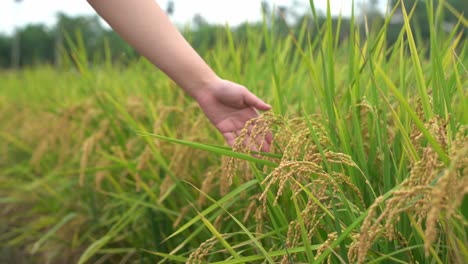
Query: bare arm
point(147, 28)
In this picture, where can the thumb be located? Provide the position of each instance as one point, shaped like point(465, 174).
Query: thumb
point(251, 100)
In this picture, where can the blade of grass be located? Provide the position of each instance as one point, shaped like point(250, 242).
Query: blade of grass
point(347, 231)
point(212, 149)
point(442, 155)
point(218, 236)
point(246, 231)
point(208, 210)
point(417, 65)
point(52, 232)
point(305, 239)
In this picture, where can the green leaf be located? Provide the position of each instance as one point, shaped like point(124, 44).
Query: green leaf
point(208, 210)
point(212, 149)
point(52, 231)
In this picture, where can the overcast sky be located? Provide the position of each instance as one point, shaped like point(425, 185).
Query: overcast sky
point(215, 11)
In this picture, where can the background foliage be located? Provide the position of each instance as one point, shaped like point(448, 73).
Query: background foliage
point(37, 44)
point(104, 160)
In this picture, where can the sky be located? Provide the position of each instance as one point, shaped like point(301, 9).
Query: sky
point(234, 12)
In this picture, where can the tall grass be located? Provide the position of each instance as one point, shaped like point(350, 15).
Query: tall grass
point(114, 164)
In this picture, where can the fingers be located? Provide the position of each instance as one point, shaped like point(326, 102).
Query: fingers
point(230, 138)
point(251, 100)
point(269, 137)
point(268, 141)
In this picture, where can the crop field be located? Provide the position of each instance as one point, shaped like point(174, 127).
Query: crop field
point(113, 163)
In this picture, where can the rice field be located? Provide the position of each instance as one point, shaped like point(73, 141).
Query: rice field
point(112, 163)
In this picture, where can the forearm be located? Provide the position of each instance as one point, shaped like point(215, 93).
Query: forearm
point(147, 28)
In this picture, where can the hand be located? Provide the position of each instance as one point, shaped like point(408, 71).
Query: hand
point(229, 106)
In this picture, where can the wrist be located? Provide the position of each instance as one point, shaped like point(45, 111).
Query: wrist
point(204, 87)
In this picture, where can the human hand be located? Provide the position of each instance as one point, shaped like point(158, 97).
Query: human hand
point(229, 106)
point(226, 104)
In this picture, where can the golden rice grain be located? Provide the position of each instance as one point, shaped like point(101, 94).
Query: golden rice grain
point(431, 190)
point(197, 256)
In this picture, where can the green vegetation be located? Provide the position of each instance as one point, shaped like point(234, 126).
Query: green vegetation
point(111, 163)
point(37, 44)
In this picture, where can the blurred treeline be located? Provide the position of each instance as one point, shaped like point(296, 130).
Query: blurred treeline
point(36, 44)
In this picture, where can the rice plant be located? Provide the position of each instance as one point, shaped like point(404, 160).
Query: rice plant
point(113, 164)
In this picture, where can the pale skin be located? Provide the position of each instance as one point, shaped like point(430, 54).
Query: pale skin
point(146, 27)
